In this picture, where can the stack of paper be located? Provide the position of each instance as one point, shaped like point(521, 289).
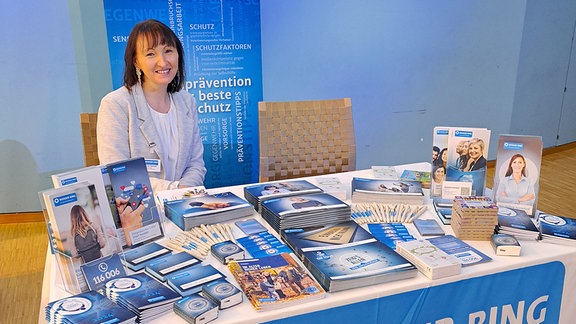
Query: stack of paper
point(84, 307)
point(387, 191)
point(429, 259)
point(345, 256)
point(256, 194)
point(557, 229)
point(142, 295)
point(474, 218)
point(517, 223)
point(304, 210)
point(196, 309)
point(210, 209)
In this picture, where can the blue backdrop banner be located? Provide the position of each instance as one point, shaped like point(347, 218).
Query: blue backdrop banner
point(222, 49)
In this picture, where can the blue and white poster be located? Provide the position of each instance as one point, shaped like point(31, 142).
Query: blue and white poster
point(222, 49)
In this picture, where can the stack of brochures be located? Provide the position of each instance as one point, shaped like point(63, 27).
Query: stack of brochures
point(557, 229)
point(517, 223)
point(304, 210)
point(390, 233)
point(222, 293)
point(301, 239)
point(196, 309)
point(209, 209)
point(190, 280)
point(169, 264)
point(387, 191)
point(257, 193)
point(474, 217)
point(137, 259)
point(142, 295)
point(432, 261)
point(276, 281)
point(443, 208)
point(345, 256)
point(263, 244)
point(84, 307)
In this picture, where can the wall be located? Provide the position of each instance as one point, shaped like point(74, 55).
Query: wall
point(407, 65)
point(39, 100)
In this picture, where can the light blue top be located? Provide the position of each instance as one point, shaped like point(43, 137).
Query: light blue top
point(515, 191)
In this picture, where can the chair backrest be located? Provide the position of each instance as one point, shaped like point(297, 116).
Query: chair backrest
point(88, 128)
point(305, 138)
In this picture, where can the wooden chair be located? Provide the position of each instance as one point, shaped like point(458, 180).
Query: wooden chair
point(305, 138)
point(88, 128)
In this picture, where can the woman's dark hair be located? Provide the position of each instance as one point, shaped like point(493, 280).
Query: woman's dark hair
point(157, 34)
point(514, 157)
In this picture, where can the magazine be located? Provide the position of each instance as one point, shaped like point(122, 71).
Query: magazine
point(276, 281)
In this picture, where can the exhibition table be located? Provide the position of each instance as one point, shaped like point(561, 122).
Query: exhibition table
point(537, 287)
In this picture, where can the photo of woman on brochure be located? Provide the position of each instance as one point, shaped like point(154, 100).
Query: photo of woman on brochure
point(88, 239)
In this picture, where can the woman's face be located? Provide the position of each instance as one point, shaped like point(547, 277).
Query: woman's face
point(464, 148)
point(439, 174)
point(158, 64)
point(518, 165)
point(474, 150)
point(445, 156)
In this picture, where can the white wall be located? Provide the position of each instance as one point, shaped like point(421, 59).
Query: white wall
point(407, 65)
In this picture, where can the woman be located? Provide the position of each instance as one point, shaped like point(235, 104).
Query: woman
point(442, 158)
point(151, 116)
point(88, 240)
point(476, 159)
point(438, 176)
point(516, 187)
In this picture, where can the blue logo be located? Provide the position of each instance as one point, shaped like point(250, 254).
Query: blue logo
point(66, 199)
point(513, 146)
point(442, 132)
point(461, 133)
point(119, 169)
point(69, 181)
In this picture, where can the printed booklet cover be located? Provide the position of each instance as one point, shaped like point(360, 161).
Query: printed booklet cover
point(518, 223)
point(77, 230)
point(209, 209)
point(557, 229)
point(459, 154)
point(387, 191)
point(357, 265)
point(313, 237)
point(137, 212)
point(257, 193)
point(142, 294)
point(517, 173)
point(452, 245)
point(467, 157)
point(95, 175)
point(304, 210)
point(275, 281)
point(85, 307)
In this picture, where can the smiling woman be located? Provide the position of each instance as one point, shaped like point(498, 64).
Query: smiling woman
point(152, 116)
